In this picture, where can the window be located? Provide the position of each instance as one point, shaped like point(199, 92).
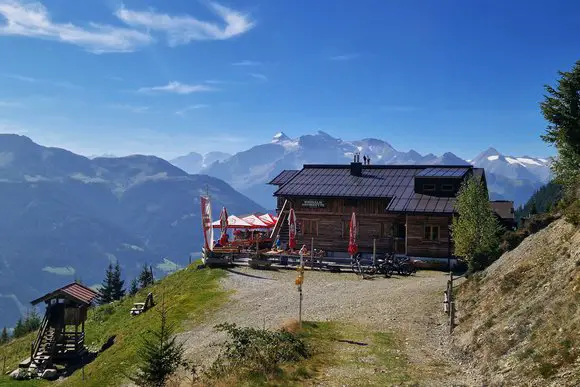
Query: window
point(428, 187)
point(447, 187)
point(431, 232)
point(309, 227)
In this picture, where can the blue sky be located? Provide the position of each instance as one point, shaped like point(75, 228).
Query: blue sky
point(169, 77)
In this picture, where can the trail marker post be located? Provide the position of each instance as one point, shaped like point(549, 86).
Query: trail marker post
point(299, 281)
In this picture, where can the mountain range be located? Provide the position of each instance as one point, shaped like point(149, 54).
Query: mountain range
point(509, 177)
point(65, 217)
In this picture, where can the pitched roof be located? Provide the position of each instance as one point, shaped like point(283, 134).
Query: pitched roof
point(284, 176)
point(394, 182)
point(503, 208)
point(74, 291)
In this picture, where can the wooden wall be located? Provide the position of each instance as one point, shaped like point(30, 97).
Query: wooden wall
point(329, 226)
point(417, 245)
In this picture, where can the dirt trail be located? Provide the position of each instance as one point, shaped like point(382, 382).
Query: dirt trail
point(409, 306)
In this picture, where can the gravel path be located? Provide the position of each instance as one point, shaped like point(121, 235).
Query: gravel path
point(410, 306)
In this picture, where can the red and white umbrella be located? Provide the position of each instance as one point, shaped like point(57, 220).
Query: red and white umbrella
point(224, 225)
point(352, 247)
point(270, 220)
point(255, 221)
point(292, 229)
point(233, 222)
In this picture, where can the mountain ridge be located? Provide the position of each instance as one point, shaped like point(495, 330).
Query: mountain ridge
point(62, 210)
point(513, 178)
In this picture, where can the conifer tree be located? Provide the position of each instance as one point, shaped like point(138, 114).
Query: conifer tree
point(4, 336)
point(159, 354)
point(19, 329)
point(561, 108)
point(134, 287)
point(146, 277)
point(32, 321)
point(106, 290)
point(117, 284)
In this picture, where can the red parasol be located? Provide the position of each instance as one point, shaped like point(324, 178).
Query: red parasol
point(292, 229)
point(352, 247)
point(224, 226)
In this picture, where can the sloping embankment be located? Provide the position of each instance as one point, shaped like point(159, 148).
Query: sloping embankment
point(519, 321)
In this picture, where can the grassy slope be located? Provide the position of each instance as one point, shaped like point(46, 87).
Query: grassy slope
point(190, 295)
point(520, 319)
point(368, 359)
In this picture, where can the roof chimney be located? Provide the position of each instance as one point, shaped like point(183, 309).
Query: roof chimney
point(356, 169)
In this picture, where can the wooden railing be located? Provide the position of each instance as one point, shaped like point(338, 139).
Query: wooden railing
point(41, 331)
point(280, 221)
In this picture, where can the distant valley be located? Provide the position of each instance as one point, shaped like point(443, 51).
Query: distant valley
point(509, 177)
point(65, 216)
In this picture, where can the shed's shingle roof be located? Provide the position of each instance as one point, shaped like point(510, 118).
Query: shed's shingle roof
point(75, 291)
point(395, 182)
point(284, 177)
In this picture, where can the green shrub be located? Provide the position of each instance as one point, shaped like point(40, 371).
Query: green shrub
point(572, 213)
point(252, 351)
point(512, 239)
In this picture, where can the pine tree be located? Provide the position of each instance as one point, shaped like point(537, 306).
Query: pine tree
point(19, 329)
point(533, 209)
point(117, 284)
point(32, 321)
point(146, 277)
point(476, 229)
point(106, 290)
point(4, 336)
point(159, 354)
point(134, 287)
point(561, 108)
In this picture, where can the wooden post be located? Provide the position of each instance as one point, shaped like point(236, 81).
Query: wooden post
point(406, 235)
point(301, 270)
point(374, 251)
point(312, 253)
point(451, 316)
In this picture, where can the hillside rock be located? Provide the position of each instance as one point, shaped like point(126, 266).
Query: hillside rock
point(519, 319)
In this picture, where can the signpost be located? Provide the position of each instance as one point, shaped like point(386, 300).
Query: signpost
point(299, 281)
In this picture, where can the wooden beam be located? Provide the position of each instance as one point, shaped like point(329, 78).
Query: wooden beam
point(406, 235)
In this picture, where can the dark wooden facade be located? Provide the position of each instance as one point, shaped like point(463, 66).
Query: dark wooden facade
point(406, 209)
point(413, 235)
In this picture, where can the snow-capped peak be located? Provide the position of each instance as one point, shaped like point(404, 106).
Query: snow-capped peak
point(280, 137)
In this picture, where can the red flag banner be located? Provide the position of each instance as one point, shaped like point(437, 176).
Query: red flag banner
point(206, 223)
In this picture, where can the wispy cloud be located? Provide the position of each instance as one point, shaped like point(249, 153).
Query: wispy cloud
point(52, 82)
point(191, 107)
point(131, 108)
point(260, 77)
point(10, 104)
point(33, 20)
point(113, 78)
point(177, 88)
point(344, 57)
point(246, 63)
point(183, 29)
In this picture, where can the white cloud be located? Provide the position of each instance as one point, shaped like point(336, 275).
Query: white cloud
point(33, 20)
point(58, 83)
point(9, 104)
point(191, 107)
point(131, 108)
point(345, 57)
point(260, 77)
point(247, 63)
point(178, 88)
point(183, 29)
